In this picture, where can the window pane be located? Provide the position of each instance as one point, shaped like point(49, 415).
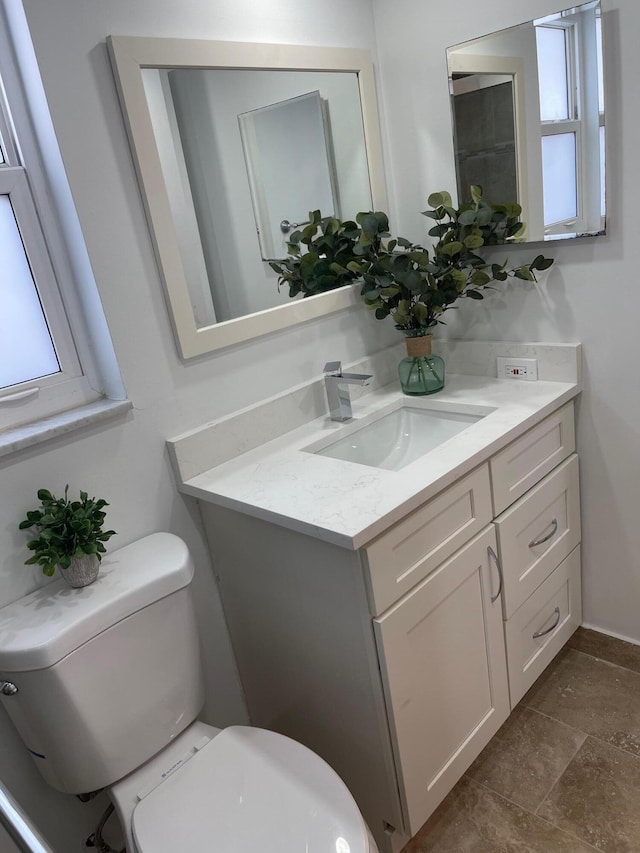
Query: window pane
point(559, 177)
point(599, 61)
point(26, 350)
point(552, 73)
point(603, 206)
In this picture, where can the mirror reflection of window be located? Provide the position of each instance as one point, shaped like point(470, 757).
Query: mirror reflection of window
point(601, 112)
point(559, 117)
point(555, 67)
point(568, 47)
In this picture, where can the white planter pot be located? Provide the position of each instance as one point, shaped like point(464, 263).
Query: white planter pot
point(82, 571)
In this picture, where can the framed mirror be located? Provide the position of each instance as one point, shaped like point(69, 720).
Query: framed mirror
point(234, 143)
point(529, 121)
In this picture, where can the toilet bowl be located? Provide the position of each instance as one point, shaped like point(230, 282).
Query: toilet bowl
point(238, 789)
point(108, 687)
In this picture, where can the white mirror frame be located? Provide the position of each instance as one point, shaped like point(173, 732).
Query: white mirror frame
point(129, 56)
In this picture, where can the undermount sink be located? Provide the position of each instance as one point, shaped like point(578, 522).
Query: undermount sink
point(398, 438)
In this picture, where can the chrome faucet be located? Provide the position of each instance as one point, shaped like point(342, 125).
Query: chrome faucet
point(336, 383)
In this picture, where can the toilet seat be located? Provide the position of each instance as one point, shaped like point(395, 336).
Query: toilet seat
point(250, 789)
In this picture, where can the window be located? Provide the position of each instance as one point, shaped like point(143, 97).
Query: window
point(569, 63)
point(49, 309)
point(560, 126)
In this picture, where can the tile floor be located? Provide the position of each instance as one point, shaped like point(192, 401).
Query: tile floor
point(563, 773)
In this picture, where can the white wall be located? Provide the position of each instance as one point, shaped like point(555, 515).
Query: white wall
point(126, 461)
point(592, 294)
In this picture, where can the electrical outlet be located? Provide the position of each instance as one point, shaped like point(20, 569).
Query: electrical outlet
point(518, 368)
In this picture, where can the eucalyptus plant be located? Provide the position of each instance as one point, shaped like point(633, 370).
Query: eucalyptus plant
point(415, 285)
point(412, 284)
point(328, 245)
point(65, 529)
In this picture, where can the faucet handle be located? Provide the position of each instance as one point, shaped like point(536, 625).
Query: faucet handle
point(333, 368)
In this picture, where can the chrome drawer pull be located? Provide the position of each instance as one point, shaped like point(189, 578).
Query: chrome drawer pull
point(554, 529)
point(493, 554)
point(538, 634)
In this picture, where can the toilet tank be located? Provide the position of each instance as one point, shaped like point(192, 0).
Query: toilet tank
point(107, 675)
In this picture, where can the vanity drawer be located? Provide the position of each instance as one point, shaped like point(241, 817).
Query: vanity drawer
point(538, 630)
point(537, 533)
point(407, 553)
point(526, 461)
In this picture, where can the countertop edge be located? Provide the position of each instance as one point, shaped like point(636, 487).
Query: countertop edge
point(364, 536)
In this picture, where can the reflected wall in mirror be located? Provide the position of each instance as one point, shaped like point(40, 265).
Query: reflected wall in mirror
point(528, 121)
point(235, 143)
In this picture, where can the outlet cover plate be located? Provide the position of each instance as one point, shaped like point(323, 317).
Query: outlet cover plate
point(517, 368)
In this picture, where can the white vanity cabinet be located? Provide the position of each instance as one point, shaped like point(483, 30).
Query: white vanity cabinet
point(443, 663)
point(399, 661)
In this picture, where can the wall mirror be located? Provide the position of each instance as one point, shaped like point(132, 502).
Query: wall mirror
point(528, 121)
point(234, 143)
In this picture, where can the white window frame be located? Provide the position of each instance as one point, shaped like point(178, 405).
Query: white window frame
point(32, 176)
point(572, 124)
point(578, 75)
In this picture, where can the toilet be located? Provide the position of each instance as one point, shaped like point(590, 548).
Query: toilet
point(104, 685)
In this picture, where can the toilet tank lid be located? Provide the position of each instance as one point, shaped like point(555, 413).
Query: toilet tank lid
point(40, 629)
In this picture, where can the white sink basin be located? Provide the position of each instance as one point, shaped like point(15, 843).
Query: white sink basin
point(398, 438)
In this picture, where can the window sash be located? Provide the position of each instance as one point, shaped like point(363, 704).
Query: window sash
point(39, 397)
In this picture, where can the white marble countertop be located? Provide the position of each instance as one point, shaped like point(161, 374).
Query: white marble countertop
point(349, 504)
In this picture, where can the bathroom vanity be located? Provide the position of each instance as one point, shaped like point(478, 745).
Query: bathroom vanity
point(391, 618)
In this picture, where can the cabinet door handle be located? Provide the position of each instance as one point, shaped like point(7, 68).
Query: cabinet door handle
point(537, 634)
point(493, 554)
point(554, 529)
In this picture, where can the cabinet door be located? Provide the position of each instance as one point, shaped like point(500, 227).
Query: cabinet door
point(441, 649)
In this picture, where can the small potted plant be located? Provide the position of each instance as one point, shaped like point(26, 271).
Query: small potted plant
point(70, 536)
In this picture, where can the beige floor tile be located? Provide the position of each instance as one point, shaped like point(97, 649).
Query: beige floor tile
point(473, 819)
point(606, 648)
point(597, 798)
point(526, 757)
point(591, 695)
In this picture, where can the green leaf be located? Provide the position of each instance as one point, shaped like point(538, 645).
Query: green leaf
point(451, 248)
point(474, 294)
point(440, 199)
point(480, 278)
point(467, 217)
point(476, 194)
point(524, 273)
point(541, 263)
point(473, 241)
point(45, 495)
point(421, 313)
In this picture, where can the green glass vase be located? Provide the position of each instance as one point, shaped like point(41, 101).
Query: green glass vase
point(420, 372)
